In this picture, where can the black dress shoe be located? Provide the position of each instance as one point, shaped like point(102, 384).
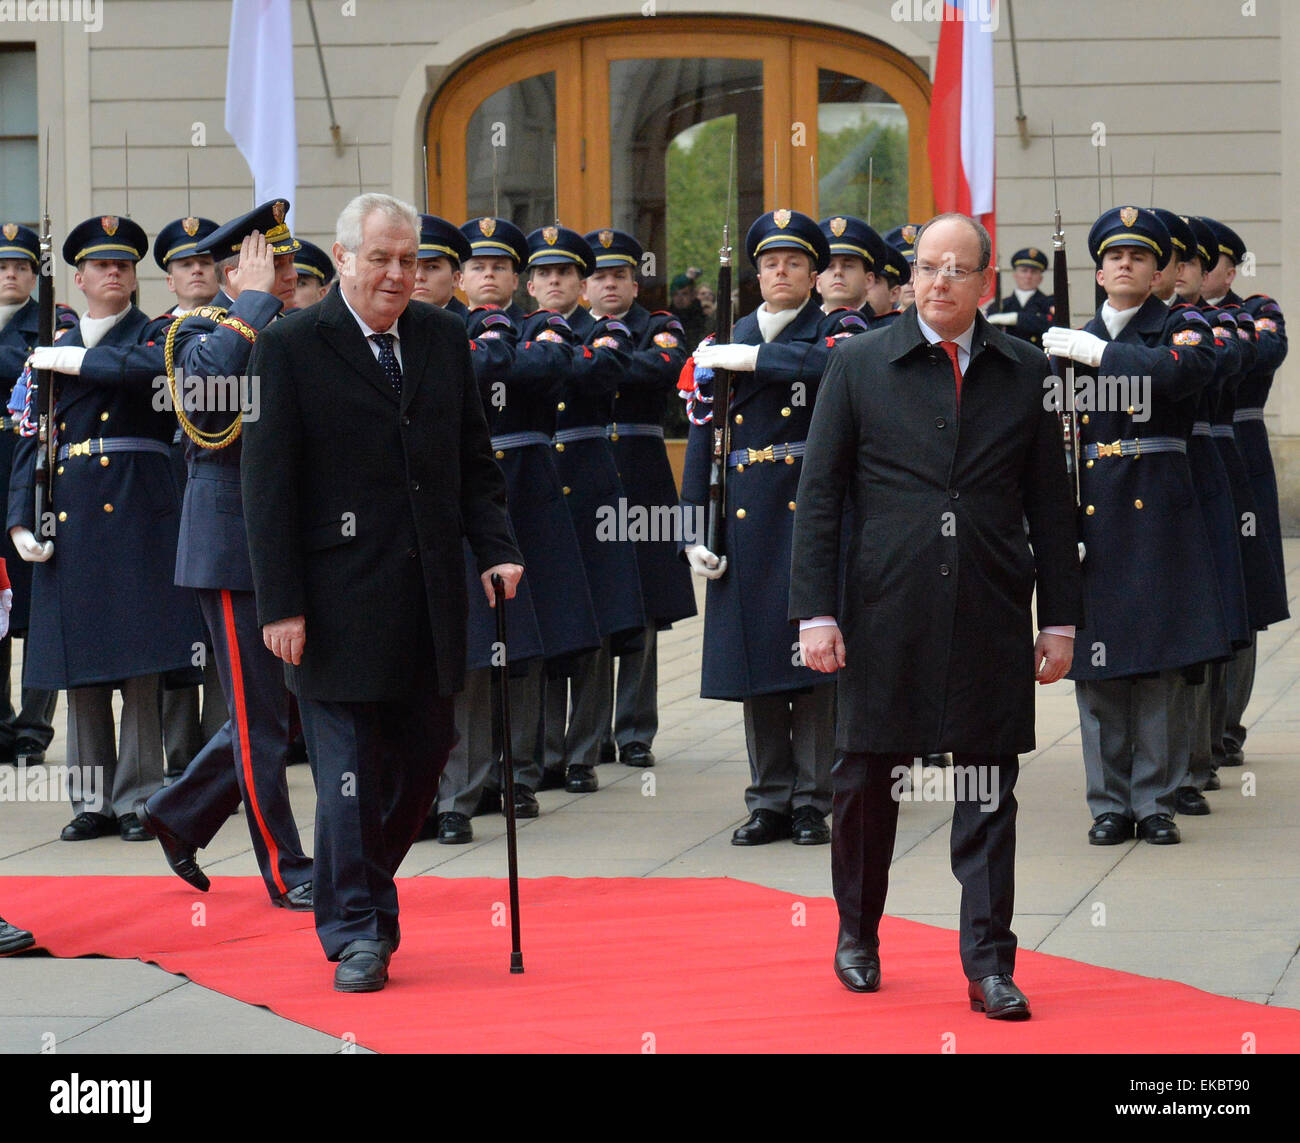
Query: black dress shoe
point(1158, 829)
point(580, 780)
point(763, 826)
point(1188, 800)
point(454, 829)
point(1233, 757)
point(936, 760)
point(14, 939)
point(637, 754)
point(1111, 829)
point(608, 752)
point(298, 899)
point(178, 852)
point(552, 779)
point(998, 998)
point(809, 827)
point(526, 802)
point(857, 964)
point(1212, 782)
point(489, 802)
point(363, 967)
point(31, 752)
point(130, 829)
point(86, 826)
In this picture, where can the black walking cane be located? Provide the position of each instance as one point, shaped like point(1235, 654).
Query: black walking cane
point(508, 764)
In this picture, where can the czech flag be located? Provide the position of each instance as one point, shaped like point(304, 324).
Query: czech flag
point(961, 111)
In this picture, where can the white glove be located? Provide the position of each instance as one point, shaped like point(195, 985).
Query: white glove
point(704, 562)
point(6, 605)
point(736, 358)
point(30, 548)
point(1078, 344)
point(1003, 319)
point(59, 358)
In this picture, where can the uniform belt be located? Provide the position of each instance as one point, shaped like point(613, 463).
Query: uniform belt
point(618, 429)
point(518, 440)
point(1248, 415)
point(1135, 447)
point(743, 456)
point(97, 445)
point(585, 433)
point(1201, 429)
point(1223, 431)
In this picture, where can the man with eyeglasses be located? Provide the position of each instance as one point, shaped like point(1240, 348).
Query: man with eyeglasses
point(935, 429)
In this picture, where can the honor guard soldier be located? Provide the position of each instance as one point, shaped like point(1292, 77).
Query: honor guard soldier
point(523, 361)
point(855, 273)
point(192, 277)
point(903, 239)
point(637, 436)
point(105, 613)
point(1179, 282)
point(1251, 437)
point(1151, 600)
point(245, 760)
point(559, 261)
point(443, 251)
point(1027, 313)
point(26, 733)
point(750, 649)
point(315, 273)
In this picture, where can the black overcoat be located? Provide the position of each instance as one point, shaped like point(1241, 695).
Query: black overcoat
point(936, 608)
point(356, 504)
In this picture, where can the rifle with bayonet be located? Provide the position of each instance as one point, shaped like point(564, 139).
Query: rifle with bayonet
point(1063, 367)
point(42, 395)
point(721, 420)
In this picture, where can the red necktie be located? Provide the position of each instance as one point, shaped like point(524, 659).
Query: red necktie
point(950, 348)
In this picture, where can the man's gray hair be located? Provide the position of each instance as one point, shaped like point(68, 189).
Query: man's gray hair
point(986, 242)
point(221, 265)
point(347, 231)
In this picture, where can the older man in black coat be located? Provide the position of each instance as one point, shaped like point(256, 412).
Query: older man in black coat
point(937, 432)
point(369, 463)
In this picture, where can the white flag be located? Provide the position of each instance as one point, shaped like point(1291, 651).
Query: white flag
point(259, 95)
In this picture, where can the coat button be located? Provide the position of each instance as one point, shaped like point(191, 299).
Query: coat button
point(60, 470)
point(1130, 410)
point(740, 513)
point(108, 507)
point(103, 416)
point(567, 490)
point(1090, 464)
point(415, 486)
point(560, 406)
point(617, 394)
point(740, 420)
point(500, 454)
point(406, 421)
point(62, 516)
point(786, 411)
point(940, 423)
point(1090, 509)
point(613, 436)
point(1084, 418)
point(63, 426)
point(103, 462)
point(559, 446)
point(789, 460)
point(944, 569)
point(740, 468)
point(411, 553)
point(791, 505)
point(1137, 503)
point(953, 494)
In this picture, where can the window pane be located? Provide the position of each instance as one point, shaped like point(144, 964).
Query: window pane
point(515, 129)
point(671, 126)
point(19, 179)
point(861, 130)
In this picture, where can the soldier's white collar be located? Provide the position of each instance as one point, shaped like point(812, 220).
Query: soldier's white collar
point(771, 324)
point(93, 330)
point(7, 311)
point(1023, 296)
point(1115, 319)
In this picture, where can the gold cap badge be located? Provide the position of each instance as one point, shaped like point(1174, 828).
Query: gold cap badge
point(109, 223)
point(11, 230)
point(190, 226)
point(550, 235)
point(1033, 253)
point(1128, 215)
point(909, 234)
point(278, 209)
point(781, 218)
point(606, 238)
point(487, 226)
point(837, 226)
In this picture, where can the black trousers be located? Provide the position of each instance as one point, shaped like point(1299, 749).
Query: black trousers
point(34, 721)
point(866, 792)
point(377, 766)
point(245, 759)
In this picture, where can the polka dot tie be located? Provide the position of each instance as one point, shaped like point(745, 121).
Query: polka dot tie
point(388, 360)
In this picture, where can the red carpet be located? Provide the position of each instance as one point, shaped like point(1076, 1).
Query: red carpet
point(623, 965)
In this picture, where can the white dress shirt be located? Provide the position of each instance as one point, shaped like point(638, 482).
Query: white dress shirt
point(369, 333)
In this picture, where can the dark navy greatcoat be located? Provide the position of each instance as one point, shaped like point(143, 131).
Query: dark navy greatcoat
point(17, 340)
point(1266, 601)
point(1210, 477)
point(1035, 316)
point(1151, 598)
point(592, 488)
point(104, 606)
point(750, 648)
point(641, 399)
point(935, 610)
point(1252, 436)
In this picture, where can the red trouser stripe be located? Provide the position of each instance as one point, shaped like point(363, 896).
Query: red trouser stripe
point(240, 715)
